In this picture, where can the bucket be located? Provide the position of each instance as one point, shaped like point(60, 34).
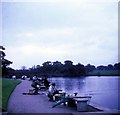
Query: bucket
point(31, 91)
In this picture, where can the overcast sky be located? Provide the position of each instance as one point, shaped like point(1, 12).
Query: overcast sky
point(56, 30)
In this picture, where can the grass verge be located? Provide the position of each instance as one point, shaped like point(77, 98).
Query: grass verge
point(8, 85)
point(105, 73)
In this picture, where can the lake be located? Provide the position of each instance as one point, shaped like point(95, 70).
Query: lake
point(104, 89)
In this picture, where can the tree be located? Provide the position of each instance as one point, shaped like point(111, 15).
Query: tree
point(90, 68)
point(80, 69)
point(117, 66)
point(101, 67)
point(47, 68)
point(110, 67)
point(68, 63)
point(57, 68)
point(69, 69)
point(4, 62)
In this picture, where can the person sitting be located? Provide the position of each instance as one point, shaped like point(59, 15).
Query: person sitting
point(46, 82)
point(52, 91)
point(35, 84)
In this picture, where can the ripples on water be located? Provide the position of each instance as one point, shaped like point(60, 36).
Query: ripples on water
point(104, 90)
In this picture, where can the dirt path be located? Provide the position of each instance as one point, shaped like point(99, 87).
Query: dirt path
point(19, 103)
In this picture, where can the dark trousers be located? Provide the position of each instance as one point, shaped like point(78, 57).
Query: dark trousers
point(50, 96)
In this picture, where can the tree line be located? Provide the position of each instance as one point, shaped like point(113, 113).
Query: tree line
point(48, 68)
point(67, 69)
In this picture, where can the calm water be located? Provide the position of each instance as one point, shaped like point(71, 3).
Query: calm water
point(104, 90)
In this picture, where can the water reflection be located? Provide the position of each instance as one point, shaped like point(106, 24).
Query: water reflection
point(104, 90)
point(69, 85)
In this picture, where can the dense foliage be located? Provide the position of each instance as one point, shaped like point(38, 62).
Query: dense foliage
point(4, 63)
point(67, 69)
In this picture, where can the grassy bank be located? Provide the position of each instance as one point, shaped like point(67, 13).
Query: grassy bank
point(104, 73)
point(8, 86)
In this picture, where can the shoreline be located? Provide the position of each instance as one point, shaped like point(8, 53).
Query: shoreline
point(19, 103)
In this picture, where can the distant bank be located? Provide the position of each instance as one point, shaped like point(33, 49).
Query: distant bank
point(104, 73)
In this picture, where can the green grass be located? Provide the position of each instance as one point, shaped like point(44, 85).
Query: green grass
point(8, 86)
point(105, 72)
